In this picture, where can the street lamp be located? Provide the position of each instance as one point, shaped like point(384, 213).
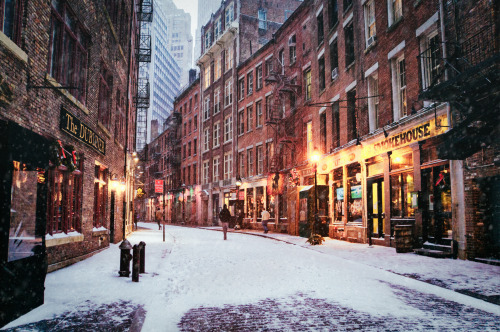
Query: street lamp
point(183, 187)
point(315, 161)
point(238, 184)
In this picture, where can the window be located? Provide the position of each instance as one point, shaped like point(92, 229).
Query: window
point(370, 31)
point(258, 83)
point(185, 129)
point(206, 77)
point(258, 110)
point(269, 67)
point(335, 125)
point(321, 28)
point(309, 139)
point(347, 5)
point(430, 59)
point(208, 41)
point(292, 49)
point(216, 134)
point(241, 159)
point(260, 160)
point(68, 46)
point(241, 88)
point(217, 67)
point(269, 106)
point(228, 92)
point(217, 28)
point(241, 122)
point(322, 132)
point(395, 11)
point(334, 60)
point(249, 118)
point(120, 119)
point(307, 83)
point(206, 108)
point(269, 155)
point(333, 15)
point(100, 195)
point(229, 17)
point(189, 126)
point(228, 165)
point(228, 128)
point(65, 192)
point(206, 168)
point(351, 115)
point(249, 83)
point(250, 162)
point(399, 88)
point(321, 69)
point(105, 95)
point(215, 175)
point(349, 44)
point(228, 59)
point(189, 149)
point(206, 139)
point(373, 101)
point(11, 12)
point(195, 122)
point(195, 145)
point(281, 58)
point(262, 14)
point(216, 101)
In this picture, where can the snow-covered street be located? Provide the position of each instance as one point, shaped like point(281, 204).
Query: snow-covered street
point(195, 281)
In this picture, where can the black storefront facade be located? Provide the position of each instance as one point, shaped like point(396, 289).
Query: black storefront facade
point(23, 211)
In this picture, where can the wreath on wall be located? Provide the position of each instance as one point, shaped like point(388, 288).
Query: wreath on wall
point(64, 156)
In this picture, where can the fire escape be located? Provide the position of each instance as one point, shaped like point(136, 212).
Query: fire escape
point(143, 55)
point(278, 118)
point(173, 151)
point(468, 78)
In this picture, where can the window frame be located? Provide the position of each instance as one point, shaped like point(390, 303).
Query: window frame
point(16, 24)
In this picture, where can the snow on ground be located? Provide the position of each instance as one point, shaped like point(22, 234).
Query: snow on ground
point(195, 268)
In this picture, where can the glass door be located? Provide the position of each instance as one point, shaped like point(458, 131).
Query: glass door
point(436, 187)
point(376, 207)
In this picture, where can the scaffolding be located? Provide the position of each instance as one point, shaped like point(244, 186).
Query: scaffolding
point(143, 56)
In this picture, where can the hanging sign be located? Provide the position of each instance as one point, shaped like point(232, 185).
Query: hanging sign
point(76, 128)
point(159, 186)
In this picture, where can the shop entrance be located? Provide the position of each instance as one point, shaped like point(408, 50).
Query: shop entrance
point(376, 207)
point(436, 216)
point(215, 209)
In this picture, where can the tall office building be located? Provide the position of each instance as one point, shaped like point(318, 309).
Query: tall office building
point(179, 38)
point(205, 10)
point(164, 75)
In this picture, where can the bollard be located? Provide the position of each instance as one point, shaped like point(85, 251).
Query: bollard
point(142, 247)
point(125, 258)
point(135, 264)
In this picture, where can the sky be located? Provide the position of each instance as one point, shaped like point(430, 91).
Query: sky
point(196, 268)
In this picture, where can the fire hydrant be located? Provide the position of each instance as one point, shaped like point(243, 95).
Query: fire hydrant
point(125, 258)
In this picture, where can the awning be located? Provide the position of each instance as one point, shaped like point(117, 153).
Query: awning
point(304, 192)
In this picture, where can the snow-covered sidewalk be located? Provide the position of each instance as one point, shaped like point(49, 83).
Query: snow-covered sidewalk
point(468, 277)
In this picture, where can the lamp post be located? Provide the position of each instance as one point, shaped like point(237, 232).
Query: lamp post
point(183, 187)
point(315, 160)
point(238, 184)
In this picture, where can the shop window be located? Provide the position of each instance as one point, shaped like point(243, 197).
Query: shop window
point(64, 207)
point(68, 50)
point(353, 196)
point(401, 195)
point(26, 192)
point(250, 203)
point(260, 202)
point(375, 166)
point(401, 161)
point(100, 195)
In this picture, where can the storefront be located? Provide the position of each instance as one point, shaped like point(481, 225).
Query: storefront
point(23, 209)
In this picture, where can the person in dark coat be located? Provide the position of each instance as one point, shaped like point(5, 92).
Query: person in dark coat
point(224, 217)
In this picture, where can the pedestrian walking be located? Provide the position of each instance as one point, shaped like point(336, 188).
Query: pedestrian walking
point(225, 216)
point(136, 219)
point(158, 216)
point(265, 219)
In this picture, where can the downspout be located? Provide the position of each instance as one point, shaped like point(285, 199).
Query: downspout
point(441, 12)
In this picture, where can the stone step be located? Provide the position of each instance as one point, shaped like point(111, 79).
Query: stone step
point(433, 253)
point(439, 247)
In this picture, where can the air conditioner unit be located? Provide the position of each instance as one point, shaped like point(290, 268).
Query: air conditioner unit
point(335, 73)
point(371, 40)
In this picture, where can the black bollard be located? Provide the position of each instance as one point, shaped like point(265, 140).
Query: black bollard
point(142, 246)
point(135, 263)
point(125, 258)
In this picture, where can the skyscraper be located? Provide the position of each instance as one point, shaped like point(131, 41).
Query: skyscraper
point(179, 38)
point(164, 74)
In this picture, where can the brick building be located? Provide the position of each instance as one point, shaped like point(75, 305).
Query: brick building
point(67, 75)
point(235, 31)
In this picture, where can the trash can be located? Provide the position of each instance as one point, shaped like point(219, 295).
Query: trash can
point(403, 237)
